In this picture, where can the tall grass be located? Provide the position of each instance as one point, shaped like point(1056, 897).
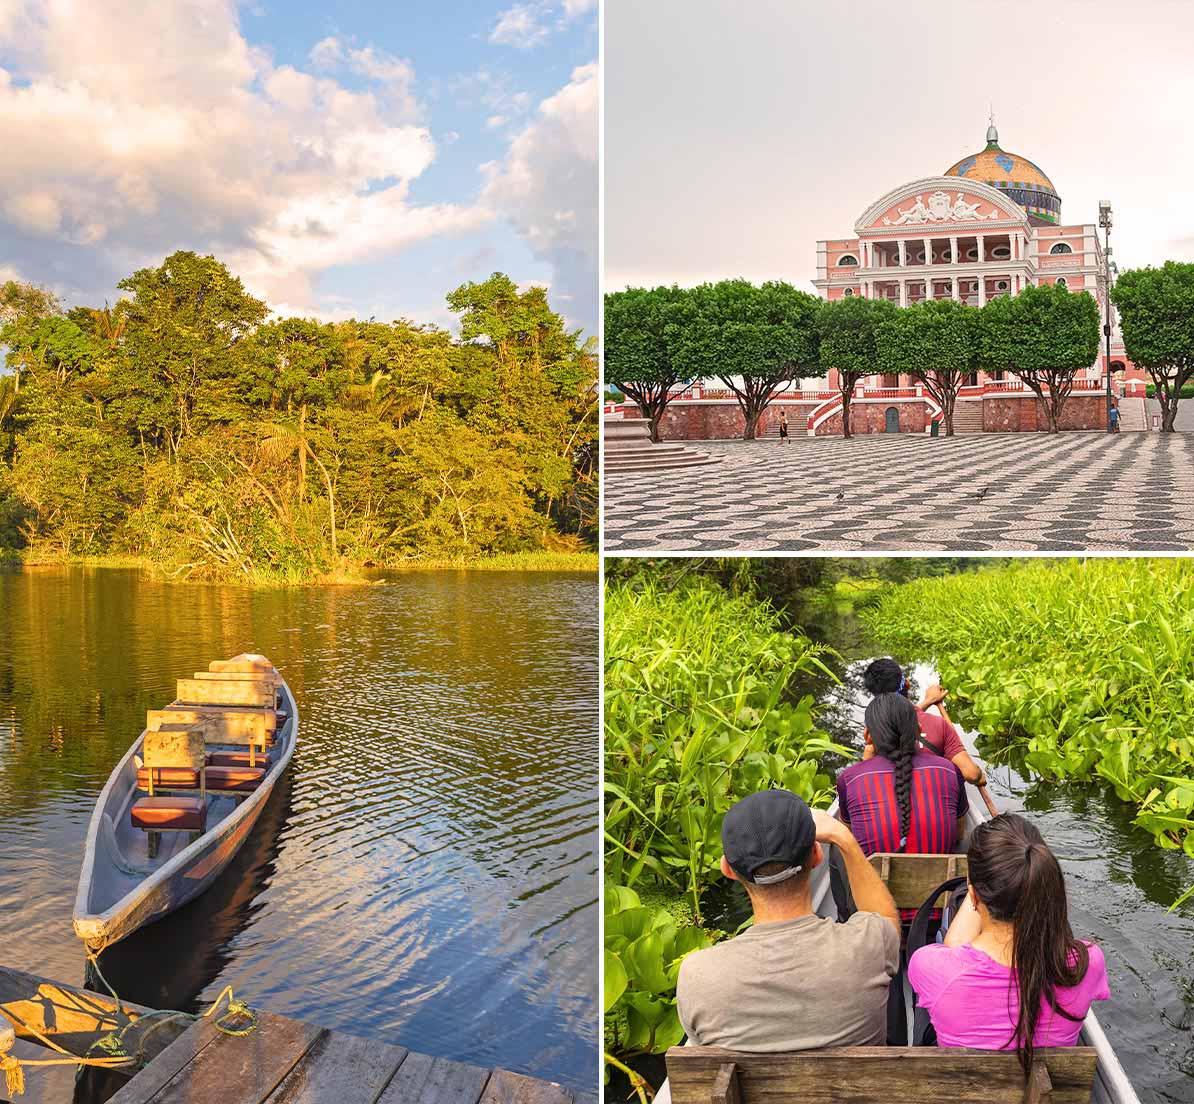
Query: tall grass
point(1083, 668)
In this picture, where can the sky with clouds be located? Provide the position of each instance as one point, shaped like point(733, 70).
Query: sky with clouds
point(357, 159)
point(737, 135)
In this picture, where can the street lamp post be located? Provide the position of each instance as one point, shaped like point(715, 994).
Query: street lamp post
point(1105, 223)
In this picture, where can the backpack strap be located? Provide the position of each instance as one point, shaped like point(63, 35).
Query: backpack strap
point(918, 936)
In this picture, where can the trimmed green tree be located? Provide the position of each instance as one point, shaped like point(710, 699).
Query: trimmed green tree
point(1044, 336)
point(757, 340)
point(850, 343)
point(1156, 308)
point(935, 342)
point(643, 330)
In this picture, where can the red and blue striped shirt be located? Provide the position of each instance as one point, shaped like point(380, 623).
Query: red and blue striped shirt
point(867, 803)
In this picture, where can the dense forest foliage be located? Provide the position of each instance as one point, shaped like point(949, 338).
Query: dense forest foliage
point(186, 426)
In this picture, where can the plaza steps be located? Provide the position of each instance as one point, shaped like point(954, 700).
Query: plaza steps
point(629, 448)
point(1132, 415)
point(968, 418)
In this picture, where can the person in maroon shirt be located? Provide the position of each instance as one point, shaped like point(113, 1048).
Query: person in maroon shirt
point(885, 676)
point(904, 798)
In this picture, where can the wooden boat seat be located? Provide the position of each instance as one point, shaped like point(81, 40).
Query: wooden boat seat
point(911, 878)
point(236, 759)
point(238, 779)
point(170, 778)
point(896, 1075)
point(176, 813)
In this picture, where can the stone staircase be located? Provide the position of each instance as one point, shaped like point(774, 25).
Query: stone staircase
point(968, 417)
point(629, 448)
point(1133, 416)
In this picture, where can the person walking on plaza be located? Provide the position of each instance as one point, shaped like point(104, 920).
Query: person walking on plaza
point(1114, 414)
point(783, 426)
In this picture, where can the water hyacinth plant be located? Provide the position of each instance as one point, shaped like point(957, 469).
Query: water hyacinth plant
point(1082, 669)
point(700, 710)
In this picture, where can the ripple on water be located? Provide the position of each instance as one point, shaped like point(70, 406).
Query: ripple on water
point(429, 872)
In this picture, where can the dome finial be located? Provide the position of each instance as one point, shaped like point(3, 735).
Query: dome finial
point(992, 133)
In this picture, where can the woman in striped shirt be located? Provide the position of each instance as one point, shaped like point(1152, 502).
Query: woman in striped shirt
point(903, 798)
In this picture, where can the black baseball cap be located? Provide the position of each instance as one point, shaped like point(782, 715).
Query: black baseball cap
point(766, 827)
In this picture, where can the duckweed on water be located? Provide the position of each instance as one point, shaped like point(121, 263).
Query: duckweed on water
point(1079, 669)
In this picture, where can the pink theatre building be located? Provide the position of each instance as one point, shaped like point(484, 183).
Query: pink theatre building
point(990, 225)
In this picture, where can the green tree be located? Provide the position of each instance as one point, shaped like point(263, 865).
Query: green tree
point(936, 342)
point(644, 328)
point(187, 322)
point(1044, 335)
point(756, 340)
point(1156, 307)
point(849, 342)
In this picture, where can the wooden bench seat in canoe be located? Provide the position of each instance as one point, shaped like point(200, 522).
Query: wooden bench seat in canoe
point(911, 878)
point(249, 691)
point(271, 677)
point(221, 777)
point(172, 813)
point(229, 724)
point(894, 1075)
point(243, 663)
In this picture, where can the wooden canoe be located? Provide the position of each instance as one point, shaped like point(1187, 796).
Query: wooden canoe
point(121, 888)
point(1111, 1084)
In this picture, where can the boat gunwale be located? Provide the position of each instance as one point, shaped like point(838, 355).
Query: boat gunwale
point(256, 799)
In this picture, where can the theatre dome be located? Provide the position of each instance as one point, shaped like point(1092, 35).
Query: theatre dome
point(1021, 179)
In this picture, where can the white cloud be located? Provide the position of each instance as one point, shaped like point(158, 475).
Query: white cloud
point(547, 187)
point(203, 143)
point(520, 26)
point(576, 8)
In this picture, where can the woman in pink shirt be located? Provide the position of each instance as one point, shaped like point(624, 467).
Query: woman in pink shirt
point(1010, 972)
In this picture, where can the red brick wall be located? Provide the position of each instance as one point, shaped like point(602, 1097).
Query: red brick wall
point(872, 418)
point(1006, 415)
point(707, 420)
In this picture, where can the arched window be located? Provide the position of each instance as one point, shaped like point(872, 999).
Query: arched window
point(1001, 285)
point(848, 259)
point(1060, 282)
point(1061, 247)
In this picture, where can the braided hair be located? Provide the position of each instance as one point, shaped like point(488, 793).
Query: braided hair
point(895, 731)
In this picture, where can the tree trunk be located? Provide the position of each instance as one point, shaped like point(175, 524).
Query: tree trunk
point(1168, 411)
point(846, 413)
point(949, 421)
point(750, 418)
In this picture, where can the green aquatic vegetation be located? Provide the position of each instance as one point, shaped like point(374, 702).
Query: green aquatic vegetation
point(1079, 669)
point(698, 713)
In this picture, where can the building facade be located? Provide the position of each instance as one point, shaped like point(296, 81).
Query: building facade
point(990, 225)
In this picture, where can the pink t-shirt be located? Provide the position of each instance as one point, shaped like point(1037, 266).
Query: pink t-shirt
point(973, 1002)
point(939, 733)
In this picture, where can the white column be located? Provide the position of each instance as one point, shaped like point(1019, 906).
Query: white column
point(953, 249)
point(955, 288)
point(903, 253)
point(981, 251)
point(903, 291)
point(928, 251)
point(982, 291)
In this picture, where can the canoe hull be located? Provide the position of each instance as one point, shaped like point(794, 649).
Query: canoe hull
point(188, 873)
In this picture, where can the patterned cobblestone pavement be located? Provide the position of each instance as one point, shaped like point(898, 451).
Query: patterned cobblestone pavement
point(1033, 492)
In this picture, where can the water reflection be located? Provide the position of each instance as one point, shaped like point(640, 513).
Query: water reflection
point(430, 875)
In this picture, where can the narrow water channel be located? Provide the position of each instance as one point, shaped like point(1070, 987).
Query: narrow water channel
point(427, 874)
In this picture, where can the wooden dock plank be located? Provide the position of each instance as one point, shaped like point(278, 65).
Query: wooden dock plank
point(505, 1087)
point(340, 1068)
point(166, 1066)
point(435, 1081)
point(237, 1069)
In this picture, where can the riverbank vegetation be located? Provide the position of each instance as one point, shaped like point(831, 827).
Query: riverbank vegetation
point(699, 711)
point(187, 427)
point(1075, 669)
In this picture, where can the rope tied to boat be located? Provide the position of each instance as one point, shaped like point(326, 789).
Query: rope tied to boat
point(237, 1010)
point(14, 1067)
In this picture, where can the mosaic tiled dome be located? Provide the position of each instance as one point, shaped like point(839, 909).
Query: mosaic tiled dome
point(1021, 179)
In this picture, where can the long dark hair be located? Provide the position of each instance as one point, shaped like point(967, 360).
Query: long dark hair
point(895, 729)
point(1019, 880)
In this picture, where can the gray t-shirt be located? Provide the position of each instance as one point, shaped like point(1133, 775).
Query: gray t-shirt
point(793, 985)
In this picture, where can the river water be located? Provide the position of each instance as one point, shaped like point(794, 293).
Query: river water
point(427, 875)
point(1120, 883)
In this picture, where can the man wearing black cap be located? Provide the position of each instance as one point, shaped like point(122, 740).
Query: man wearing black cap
point(792, 981)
